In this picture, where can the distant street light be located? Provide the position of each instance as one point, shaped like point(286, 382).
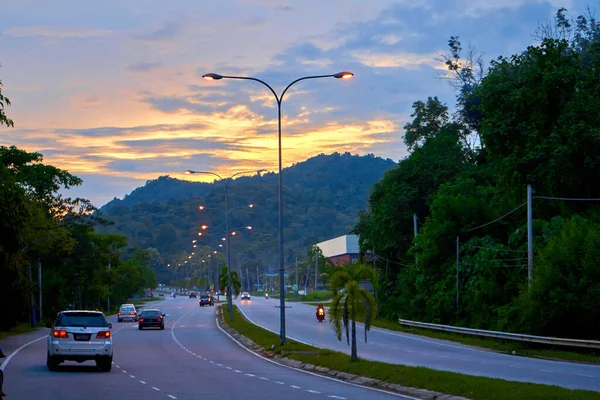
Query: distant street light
point(226, 212)
point(279, 99)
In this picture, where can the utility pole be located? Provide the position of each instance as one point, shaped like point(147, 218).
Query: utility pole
point(457, 269)
point(376, 291)
point(529, 235)
point(257, 277)
point(297, 287)
point(316, 270)
point(40, 284)
point(415, 218)
point(32, 299)
point(108, 291)
point(248, 279)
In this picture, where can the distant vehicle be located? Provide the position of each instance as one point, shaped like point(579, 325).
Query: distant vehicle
point(192, 294)
point(80, 336)
point(245, 296)
point(206, 300)
point(127, 312)
point(173, 295)
point(161, 294)
point(151, 318)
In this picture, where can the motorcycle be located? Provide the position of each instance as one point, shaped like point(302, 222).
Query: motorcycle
point(320, 314)
point(267, 296)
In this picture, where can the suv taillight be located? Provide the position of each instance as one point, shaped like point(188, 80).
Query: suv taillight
point(60, 333)
point(120, 313)
point(159, 319)
point(132, 313)
point(141, 320)
point(103, 335)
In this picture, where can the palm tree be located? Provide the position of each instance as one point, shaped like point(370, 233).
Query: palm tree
point(349, 301)
point(236, 285)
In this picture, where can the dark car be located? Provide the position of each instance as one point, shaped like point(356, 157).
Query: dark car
point(206, 299)
point(192, 294)
point(152, 318)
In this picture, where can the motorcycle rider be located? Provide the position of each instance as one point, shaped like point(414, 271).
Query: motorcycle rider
point(319, 308)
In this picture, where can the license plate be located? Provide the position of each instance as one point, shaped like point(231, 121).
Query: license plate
point(82, 336)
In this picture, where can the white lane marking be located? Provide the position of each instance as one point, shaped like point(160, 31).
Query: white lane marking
point(546, 370)
point(311, 373)
point(132, 377)
point(279, 382)
point(587, 376)
point(228, 367)
point(265, 379)
point(155, 388)
point(220, 365)
point(14, 353)
point(171, 396)
point(142, 382)
point(124, 371)
point(295, 387)
point(237, 370)
point(212, 362)
point(117, 366)
point(336, 397)
point(249, 375)
point(313, 391)
point(271, 330)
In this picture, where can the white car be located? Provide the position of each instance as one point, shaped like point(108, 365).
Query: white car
point(80, 336)
point(245, 296)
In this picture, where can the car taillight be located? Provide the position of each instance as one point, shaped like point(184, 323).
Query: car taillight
point(159, 319)
point(103, 335)
point(61, 334)
point(141, 320)
point(120, 313)
point(132, 313)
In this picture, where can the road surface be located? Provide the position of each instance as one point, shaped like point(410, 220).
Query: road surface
point(190, 359)
point(413, 350)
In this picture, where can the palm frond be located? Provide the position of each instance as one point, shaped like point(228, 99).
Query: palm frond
point(335, 315)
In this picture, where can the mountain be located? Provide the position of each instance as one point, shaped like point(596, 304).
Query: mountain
point(322, 198)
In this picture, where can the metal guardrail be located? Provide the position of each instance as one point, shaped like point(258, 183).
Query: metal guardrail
point(590, 344)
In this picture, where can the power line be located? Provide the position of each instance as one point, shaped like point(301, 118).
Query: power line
point(497, 219)
point(566, 198)
point(493, 248)
point(392, 262)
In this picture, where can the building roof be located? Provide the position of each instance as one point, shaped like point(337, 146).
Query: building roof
point(347, 244)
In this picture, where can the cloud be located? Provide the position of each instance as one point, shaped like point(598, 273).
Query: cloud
point(405, 61)
point(57, 32)
point(144, 66)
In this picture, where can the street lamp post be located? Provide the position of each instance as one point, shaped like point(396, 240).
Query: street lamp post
point(279, 99)
point(189, 171)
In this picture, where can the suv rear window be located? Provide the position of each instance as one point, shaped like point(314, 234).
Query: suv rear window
point(204, 296)
point(150, 313)
point(89, 320)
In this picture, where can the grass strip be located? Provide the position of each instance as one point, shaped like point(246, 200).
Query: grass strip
point(473, 387)
point(20, 329)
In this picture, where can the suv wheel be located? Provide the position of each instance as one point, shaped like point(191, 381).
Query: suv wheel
point(51, 362)
point(104, 363)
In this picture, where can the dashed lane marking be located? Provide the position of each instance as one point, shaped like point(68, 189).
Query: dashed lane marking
point(171, 396)
point(155, 388)
point(313, 391)
point(142, 382)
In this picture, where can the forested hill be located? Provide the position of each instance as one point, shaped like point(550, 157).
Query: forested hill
point(322, 198)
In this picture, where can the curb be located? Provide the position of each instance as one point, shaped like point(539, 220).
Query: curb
point(342, 376)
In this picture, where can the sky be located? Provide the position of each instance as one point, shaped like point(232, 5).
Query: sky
point(112, 90)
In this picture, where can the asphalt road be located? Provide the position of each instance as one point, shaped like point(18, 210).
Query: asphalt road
point(190, 359)
point(400, 348)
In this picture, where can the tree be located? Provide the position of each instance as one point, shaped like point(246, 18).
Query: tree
point(236, 285)
point(4, 102)
point(350, 301)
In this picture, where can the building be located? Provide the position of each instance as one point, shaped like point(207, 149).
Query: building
point(341, 250)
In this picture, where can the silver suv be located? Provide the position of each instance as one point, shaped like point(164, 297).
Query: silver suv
point(80, 336)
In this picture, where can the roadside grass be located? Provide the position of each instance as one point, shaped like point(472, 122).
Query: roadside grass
point(472, 387)
point(504, 346)
point(19, 329)
point(314, 296)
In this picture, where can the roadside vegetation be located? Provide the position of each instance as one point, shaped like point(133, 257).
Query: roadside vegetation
point(472, 387)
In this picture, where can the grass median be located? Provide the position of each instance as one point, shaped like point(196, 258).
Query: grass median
point(472, 387)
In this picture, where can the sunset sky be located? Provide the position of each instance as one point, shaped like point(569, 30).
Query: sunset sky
point(112, 91)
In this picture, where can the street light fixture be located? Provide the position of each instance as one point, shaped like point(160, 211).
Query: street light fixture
point(226, 212)
point(279, 99)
